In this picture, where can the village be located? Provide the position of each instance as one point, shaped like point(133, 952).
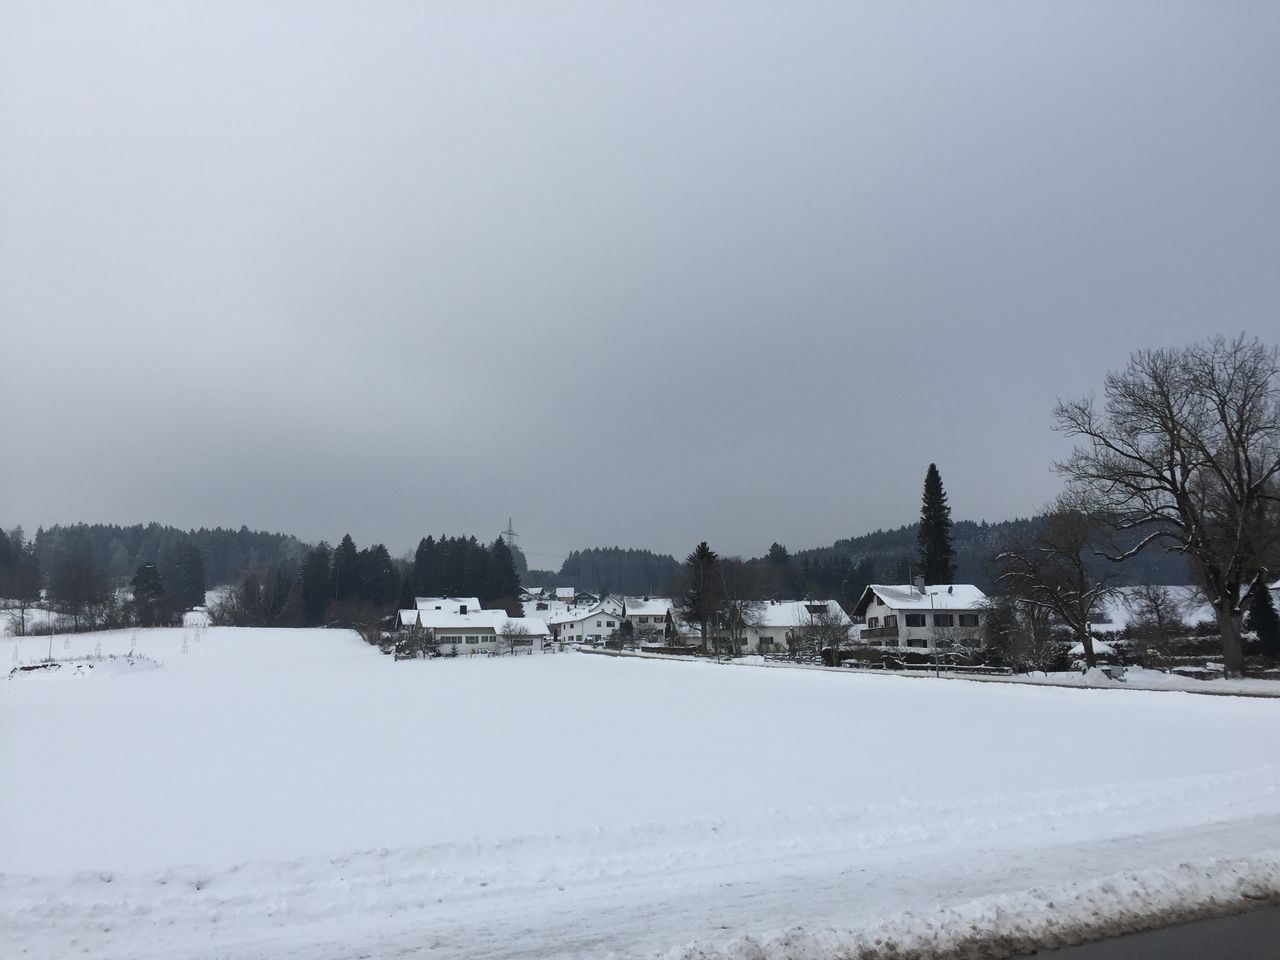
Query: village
point(893, 626)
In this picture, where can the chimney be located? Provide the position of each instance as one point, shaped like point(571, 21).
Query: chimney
point(919, 584)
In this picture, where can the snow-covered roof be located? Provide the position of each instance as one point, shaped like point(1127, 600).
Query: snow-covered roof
point(608, 607)
point(495, 620)
point(938, 596)
point(564, 593)
point(796, 613)
point(648, 606)
point(533, 626)
point(406, 618)
point(447, 603)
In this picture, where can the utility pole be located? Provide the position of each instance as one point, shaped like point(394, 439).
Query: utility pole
point(510, 535)
point(933, 627)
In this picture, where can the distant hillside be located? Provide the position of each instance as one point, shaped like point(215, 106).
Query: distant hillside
point(893, 554)
point(118, 550)
point(616, 570)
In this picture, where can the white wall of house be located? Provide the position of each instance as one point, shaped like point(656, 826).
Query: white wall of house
point(918, 628)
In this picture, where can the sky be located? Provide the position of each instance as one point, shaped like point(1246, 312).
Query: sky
point(627, 273)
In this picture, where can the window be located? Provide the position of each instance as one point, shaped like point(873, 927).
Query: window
point(609, 623)
point(944, 620)
point(968, 619)
point(644, 619)
point(891, 621)
point(917, 642)
point(915, 619)
point(597, 623)
point(873, 621)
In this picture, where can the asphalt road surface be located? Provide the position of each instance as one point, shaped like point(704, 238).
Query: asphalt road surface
point(1246, 936)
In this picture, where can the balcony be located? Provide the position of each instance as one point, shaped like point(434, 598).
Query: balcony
point(879, 633)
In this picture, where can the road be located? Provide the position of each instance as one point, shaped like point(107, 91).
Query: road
point(1247, 936)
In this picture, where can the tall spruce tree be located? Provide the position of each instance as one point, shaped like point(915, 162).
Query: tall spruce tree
point(702, 589)
point(186, 575)
point(424, 568)
point(502, 581)
point(148, 595)
point(315, 577)
point(346, 572)
point(937, 557)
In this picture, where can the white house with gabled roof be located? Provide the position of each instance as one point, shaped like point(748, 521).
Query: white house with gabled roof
point(780, 624)
point(593, 624)
point(460, 629)
point(914, 615)
point(650, 617)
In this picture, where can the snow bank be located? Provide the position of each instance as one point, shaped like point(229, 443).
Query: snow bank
point(1019, 924)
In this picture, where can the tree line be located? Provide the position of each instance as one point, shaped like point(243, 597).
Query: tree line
point(65, 572)
point(363, 588)
point(117, 551)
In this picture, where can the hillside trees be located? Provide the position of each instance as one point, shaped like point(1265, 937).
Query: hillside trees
point(1184, 449)
point(19, 577)
point(77, 581)
point(613, 569)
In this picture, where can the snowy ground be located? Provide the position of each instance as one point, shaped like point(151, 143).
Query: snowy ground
point(295, 794)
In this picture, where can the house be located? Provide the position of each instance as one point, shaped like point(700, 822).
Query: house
point(783, 624)
point(650, 617)
point(471, 630)
point(914, 615)
point(592, 624)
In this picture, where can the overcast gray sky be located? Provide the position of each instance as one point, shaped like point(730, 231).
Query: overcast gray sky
point(637, 273)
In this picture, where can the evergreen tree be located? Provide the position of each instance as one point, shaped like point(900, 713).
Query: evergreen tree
point(502, 581)
point(346, 574)
point(1264, 621)
point(148, 595)
point(22, 579)
point(404, 600)
point(314, 580)
point(7, 562)
point(77, 582)
point(424, 568)
point(937, 557)
point(702, 589)
point(379, 580)
point(186, 575)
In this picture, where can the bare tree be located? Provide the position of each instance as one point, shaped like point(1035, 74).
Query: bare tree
point(1185, 449)
point(740, 606)
point(514, 634)
point(1052, 570)
point(1156, 611)
point(1019, 633)
point(821, 628)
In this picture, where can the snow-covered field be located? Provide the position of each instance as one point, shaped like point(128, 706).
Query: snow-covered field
point(295, 794)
